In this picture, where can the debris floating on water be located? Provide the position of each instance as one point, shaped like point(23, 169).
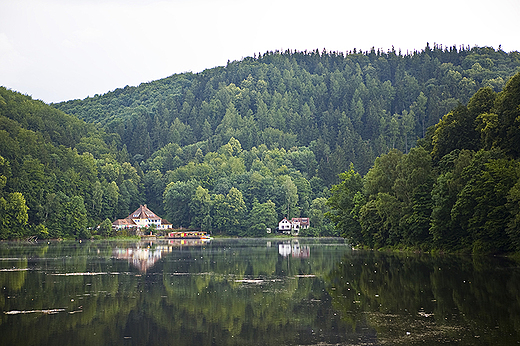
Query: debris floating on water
point(257, 281)
point(47, 311)
point(79, 274)
point(14, 270)
point(424, 314)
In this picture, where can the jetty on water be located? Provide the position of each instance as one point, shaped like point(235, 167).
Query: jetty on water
point(187, 234)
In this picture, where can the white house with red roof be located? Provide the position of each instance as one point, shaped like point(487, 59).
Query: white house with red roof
point(142, 218)
point(299, 223)
point(293, 227)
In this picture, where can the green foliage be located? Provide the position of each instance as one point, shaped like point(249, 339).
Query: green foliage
point(318, 212)
point(261, 217)
point(235, 191)
point(40, 231)
point(480, 210)
point(501, 127)
point(105, 228)
point(13, 215)
point(461, 196)
point(354, 106)
point(382, 176)
point(75, 218)
point(343, 204)
point(69, 177)
point(230, 212)
point(177, 197)
point(278, 127)
point(13, 208)
point(200, 207)
point(513, 204)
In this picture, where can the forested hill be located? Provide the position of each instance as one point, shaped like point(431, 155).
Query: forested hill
point(57, 173)
point(343, 107)
point(234, 149)
point(458, 190)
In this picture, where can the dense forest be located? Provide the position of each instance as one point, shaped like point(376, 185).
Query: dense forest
point(232, 149)
point(58, 174)
point(458, 190)
point(344, 107)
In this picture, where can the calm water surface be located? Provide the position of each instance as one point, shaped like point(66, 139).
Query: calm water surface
point(251, 292)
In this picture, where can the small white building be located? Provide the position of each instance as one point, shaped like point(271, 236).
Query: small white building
point(285, 226)
point(293, 227)
point(299, 223)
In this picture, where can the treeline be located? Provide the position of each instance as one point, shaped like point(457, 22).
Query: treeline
point(232, 149)
point(458, 190)
point(345, 107)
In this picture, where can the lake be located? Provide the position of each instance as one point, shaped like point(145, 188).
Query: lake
point(251, 292)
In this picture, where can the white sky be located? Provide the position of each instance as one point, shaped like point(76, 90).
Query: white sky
point(56, 50)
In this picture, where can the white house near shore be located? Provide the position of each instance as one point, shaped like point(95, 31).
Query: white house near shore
point(142, 218)
point(293, 227)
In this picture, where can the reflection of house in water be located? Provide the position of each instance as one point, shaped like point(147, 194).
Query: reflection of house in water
point(284, 249)
point(141, 258)
point(303, 251)
point(294, 249)
point(145, 255)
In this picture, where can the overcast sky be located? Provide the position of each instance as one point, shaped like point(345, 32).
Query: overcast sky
point(56, 50)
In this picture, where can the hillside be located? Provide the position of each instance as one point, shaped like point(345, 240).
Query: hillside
point(344, 107)
point(58, 174)
point(234, 149)
point(459, 190)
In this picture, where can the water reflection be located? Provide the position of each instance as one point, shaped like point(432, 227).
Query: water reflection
point(141, 258)
point(144, 255)
point(438, 300)
point(251, 292)
point(294, 249)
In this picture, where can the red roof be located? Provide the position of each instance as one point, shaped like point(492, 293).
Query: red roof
point(304, 221)
point(143, 213)
point(124, 222)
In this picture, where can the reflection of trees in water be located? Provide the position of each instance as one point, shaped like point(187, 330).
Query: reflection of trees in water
point(195, 295)
point(251, 296)
point(420, 298)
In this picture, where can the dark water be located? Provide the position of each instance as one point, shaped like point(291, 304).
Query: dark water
point(251, 292)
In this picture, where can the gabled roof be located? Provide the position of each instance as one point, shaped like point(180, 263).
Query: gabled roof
point(302, 220)
point(136, 219)
point(164, 222)
point(124, 222)
point(143, 213)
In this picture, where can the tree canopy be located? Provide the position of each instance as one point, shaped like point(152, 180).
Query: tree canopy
point(457, 191)
point(233, 148)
